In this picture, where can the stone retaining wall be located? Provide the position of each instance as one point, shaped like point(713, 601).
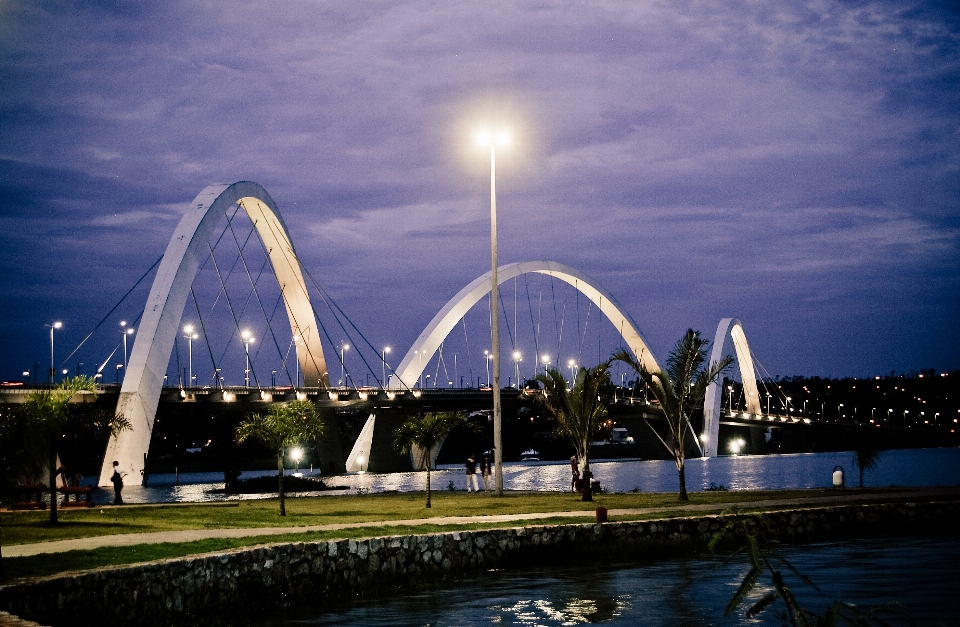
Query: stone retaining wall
point(229, 587)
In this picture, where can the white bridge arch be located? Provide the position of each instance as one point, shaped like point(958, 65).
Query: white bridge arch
point(729, 329)
point(409, 370)
point(143, 380)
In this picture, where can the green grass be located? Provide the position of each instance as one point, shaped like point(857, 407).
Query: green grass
point(33, 526)
point(30, 527)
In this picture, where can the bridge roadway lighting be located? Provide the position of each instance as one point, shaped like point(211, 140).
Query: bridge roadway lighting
point(768, 403)
point(296, 356)
point(386, 349)
point(53, 368)
point(487, 357)
point(486, 138)
point(839, 408)
point(572, 365)
point(730, 398)
point(191, 336)
point(247, 340)
point(516, 363)
point(296, 453)
point(546, 362)
point(125, 331)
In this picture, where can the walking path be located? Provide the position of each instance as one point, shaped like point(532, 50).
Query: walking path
point(191, 535)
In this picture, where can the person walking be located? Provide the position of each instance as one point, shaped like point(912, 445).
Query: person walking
point(117, 479)
point(575, 471)
point(471, 469)
point(486, 470)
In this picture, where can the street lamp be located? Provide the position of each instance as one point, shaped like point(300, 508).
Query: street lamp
point(191, 336)
point(386, 350)
point(730, 398)
point(296, 357)
point(572, 365)
point(546, 362)
point(516, 363)
point(119, 366)
point(247, 340)
point(487, 357)
point(768, 403)
point(485, 138)
point(53, 368)
point(343, 368)
point(296, 453)
point(839, 409)
point(786, 405)
point(126, 331)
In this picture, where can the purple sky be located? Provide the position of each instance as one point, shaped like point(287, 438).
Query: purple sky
point(794, 166)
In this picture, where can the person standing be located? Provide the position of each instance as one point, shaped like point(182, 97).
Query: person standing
point(117, 479)
point(487, 471)
point(471, 468)
point(575, 471)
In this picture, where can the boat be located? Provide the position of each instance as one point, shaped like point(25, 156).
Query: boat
point(530, 455)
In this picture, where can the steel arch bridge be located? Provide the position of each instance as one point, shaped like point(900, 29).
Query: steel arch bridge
point(143, 380)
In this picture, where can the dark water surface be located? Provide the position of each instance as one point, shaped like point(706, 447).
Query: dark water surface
point(911, 467)
point(919, 573)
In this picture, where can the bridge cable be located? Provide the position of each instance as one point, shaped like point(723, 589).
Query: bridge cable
point(104, 319)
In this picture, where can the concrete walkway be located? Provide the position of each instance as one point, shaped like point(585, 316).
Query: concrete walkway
point(191, 535)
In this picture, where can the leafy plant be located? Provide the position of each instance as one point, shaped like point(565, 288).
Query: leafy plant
point(421, 433)
point(766, 562)
point(283, 426)
point(48, 416)
point(865, 458)
point(578, 411)
point(680, 389)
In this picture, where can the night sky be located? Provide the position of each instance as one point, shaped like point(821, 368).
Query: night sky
point(794, 165)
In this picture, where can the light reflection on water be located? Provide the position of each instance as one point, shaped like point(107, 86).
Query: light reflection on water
point(916, 572)
point(912, 467)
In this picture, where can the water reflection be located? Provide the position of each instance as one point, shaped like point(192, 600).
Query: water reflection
point(917, 572)
point(916, 467)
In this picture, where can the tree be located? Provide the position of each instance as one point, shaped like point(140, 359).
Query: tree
point(49, 416)
point(578, 411)
point(422, 432)
point(283, 426)
point(865, 458)
point(680, 389)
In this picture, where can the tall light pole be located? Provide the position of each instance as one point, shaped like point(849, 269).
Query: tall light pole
point(487, 139)
point(486, 358)
point(546, 362)
point(572, 365)
point(247, 340)
point(343, 368)
point(53, 368)
point(296, 356)
point(383, 382)
point(126, 331)
point(191, 336)
point(516, 364)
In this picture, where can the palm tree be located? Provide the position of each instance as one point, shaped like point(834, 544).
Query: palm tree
point(49, 416)
point(578, 411)
point(422, 432)
point(283, 426)
point(680, 389)
point(865, 458)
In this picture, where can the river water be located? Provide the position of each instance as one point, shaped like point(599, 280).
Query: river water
point(909, 467)
point(918, 573)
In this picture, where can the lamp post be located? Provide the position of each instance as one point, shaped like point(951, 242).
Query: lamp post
point(343, 368)
point(191, 336)
point(546, 362)
point(247, 340)
point(839, 409)
point(487, 357)
point(572, 365)
point(768, 403)
point(53, 368)
point(730, 399)
point(516, 364)
point(386, 350)
point(119, 366)
point(486, 139)
point(296, 453)
point(296, 357)
point(126, 332)
point(786, 406)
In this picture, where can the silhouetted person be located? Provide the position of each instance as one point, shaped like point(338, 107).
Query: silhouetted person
point(117, 479)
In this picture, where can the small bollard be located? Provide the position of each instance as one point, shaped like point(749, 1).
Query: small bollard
point(601, 514)
point(838, 478)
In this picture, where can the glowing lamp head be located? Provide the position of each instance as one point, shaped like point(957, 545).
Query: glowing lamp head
point(296, 454)
point(486, 138)
point(386, 350)
point(188, 329)
point(57, 325)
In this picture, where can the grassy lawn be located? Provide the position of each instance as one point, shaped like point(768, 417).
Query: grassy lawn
point(29, 527)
